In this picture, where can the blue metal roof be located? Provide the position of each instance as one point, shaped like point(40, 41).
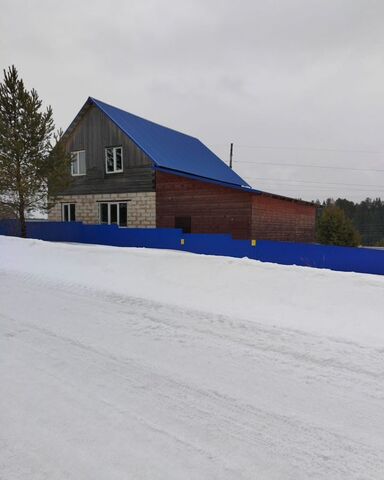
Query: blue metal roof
point(172, 150)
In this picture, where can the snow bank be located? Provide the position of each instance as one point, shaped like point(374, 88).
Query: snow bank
point(141, 364)
point(346, 305)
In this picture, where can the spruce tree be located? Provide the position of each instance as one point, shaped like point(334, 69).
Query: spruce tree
point(31, 154)
point(335, 228)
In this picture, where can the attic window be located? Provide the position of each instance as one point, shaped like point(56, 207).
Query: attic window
point(114, 159)
point(78, 163)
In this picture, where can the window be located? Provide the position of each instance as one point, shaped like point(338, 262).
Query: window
point(78, 163)
point(68, 212)
point(113, 213)
point(114, 159)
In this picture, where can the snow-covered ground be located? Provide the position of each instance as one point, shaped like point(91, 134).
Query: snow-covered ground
point(142, 364)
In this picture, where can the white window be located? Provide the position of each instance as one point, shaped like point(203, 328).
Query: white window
point(114, 159)
point(68, 212)
point(78, 163)
point(113, 213)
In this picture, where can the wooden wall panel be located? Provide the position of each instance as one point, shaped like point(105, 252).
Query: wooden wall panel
point(93, 134)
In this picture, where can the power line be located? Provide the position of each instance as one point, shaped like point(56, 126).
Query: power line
point(301, 165)
point(306, 189)
point(309, 189)
point(311, 186)
point(315, 149)
point(318, 183)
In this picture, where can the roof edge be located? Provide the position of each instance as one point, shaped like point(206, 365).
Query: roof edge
point(288, 199)
point(78, 117)
point(95, 102)
point(233, 186)
point(181, 173)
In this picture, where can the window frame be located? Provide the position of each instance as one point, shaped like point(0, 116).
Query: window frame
point(77, 161)
point(68, 205)
point(114, 159)
point(109, 204)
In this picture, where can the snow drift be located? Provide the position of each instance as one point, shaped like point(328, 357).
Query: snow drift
point(348, 305)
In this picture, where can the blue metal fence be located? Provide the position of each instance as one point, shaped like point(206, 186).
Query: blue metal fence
point(347, 259)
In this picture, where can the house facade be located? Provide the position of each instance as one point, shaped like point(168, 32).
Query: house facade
point(135, 173)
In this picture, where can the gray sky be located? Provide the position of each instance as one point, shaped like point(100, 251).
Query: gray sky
point(290, 82)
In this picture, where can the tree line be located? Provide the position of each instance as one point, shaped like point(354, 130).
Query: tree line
point(351, 223)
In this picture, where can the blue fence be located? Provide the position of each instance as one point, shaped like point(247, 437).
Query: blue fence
point(345, 259)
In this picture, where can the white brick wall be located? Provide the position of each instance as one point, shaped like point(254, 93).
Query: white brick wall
point(141, 208)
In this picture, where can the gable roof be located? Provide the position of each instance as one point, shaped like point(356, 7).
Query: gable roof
point(171, 150)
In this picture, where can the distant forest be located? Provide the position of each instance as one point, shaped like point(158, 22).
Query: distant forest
point(367, 216)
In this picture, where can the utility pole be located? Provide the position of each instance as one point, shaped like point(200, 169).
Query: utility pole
point(230, 155)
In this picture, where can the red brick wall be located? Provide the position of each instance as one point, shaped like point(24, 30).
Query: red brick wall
point(212, 208)
point(280, 219)
point(217, 209)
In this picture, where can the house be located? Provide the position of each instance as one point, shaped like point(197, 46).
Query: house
point(135, 173)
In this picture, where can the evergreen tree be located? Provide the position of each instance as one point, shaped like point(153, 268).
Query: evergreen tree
point(335, 228)
point(31, 155)
point(366, 216)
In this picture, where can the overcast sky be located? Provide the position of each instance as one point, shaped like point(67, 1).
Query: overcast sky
point(290, 82)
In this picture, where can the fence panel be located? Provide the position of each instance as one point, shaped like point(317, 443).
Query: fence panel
point(347, 259)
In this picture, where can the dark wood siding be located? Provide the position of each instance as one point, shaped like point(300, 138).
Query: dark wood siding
point(94, 132)
point(212, 208)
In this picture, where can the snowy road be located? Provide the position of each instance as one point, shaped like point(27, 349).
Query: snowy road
point(99, 384)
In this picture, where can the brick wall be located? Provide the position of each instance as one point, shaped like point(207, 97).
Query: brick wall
point(212, 208)
point(282, 219)
point(141, 207)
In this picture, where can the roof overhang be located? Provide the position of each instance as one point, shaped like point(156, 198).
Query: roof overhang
point(179, 173)
point(231, 185)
